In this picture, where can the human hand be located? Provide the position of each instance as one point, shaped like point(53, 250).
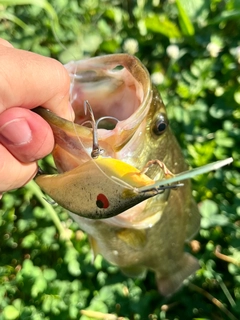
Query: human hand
point(27, 80)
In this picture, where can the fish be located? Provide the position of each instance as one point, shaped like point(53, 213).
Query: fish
point(119, 171)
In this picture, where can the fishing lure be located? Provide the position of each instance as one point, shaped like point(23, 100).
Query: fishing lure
point(105, 187)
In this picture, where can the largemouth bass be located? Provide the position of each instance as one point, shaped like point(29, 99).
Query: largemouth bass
point(103, 168)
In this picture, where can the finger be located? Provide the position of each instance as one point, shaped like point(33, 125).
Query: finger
point(13, 173)
point(29, 80)
point(25, 134)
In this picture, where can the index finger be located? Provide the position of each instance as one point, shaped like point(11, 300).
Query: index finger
point(29, 80)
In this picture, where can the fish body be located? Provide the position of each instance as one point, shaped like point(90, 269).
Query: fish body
point(150, 233)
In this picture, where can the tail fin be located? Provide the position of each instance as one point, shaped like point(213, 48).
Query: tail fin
point(170, 284)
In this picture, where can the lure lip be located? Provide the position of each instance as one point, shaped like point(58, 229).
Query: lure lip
point(190, 174)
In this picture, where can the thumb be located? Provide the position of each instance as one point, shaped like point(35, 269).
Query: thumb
point(24, 138)
point(25, 134)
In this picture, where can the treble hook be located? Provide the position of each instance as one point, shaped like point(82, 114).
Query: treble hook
point(96, 150)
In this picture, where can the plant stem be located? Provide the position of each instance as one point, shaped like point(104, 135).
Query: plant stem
point(64, 234)
point(213, 300)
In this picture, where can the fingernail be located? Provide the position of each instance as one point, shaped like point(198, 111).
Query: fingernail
point(16, 132)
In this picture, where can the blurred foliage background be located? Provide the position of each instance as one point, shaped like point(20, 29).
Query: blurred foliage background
point(192, 50)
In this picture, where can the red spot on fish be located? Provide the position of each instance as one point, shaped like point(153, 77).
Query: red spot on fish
point(102, 201)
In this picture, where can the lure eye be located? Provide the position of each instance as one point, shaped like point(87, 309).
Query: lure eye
point(160, 125)
point(102, 201)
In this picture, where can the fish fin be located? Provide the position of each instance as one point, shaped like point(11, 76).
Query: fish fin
point(193, 223)
point(170, 284)
point(134, 271)
point(135, 239)
point(94, 247)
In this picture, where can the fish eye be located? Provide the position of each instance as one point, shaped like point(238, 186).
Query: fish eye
point(160, 125)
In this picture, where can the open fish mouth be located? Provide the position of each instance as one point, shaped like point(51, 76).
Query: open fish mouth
point(119, 91)
point(115, 85)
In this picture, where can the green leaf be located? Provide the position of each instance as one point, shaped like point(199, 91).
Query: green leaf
point(40, 3)
point(39, 286)
point(196, 9)
point(49, 274)
point(210, 217)
point(10, 313)
point(185, 23)
point(29, 240)
point(161, 24)
point(225, 16)
point(223, 140)
point(237, 96)
point(16, 20)
point(74, 268)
